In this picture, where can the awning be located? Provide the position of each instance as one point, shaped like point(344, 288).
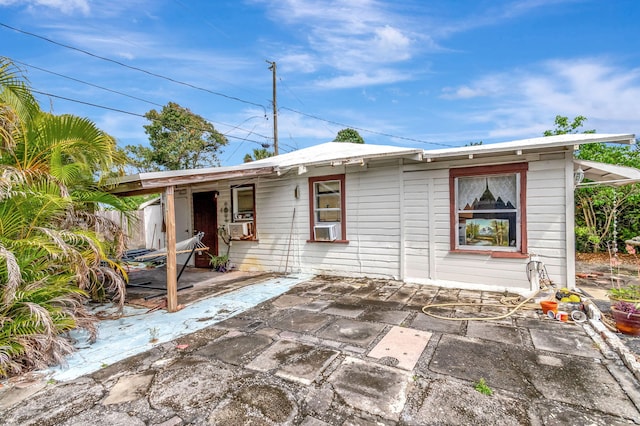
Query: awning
point(605, 174)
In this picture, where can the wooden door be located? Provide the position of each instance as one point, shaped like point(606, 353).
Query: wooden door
point(205, 219)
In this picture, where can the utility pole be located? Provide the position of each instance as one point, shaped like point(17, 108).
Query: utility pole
point(272, 67)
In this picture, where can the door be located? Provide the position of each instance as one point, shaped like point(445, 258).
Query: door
point(205, 219)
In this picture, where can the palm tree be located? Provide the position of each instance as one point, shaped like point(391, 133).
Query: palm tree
point(54, 248)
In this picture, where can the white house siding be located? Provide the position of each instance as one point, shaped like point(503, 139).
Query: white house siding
point(415, 222)
point(373, 226)
point(398, 227)
point(545, 223)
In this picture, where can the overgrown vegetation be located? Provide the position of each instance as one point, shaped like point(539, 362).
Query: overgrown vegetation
point(602, 209)
point(54, 248)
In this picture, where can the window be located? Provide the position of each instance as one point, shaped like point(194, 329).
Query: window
point(488, 211)
point(326, 206)
point(243, 203)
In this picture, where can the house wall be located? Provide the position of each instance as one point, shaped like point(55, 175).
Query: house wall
point(398, 225)
point(546, 228)
point(282, 223)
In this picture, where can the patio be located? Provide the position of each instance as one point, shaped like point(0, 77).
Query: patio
point(348, 351)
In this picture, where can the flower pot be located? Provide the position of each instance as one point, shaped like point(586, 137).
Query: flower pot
point(626, 323)
point(549, 305)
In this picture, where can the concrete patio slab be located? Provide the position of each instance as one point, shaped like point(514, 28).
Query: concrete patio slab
point(236, 350)
point(129, 388)
point(403, 344)
point(294, 361)
point(387, 317)
point(471, 360)
point(372, 388)
point(494, 332)
point(568, 342)
point(315, 306)
point(353, 332)
point(302, 322)
point(178, 389)
point(454, 402)
point(244, 370)
point(584, 382)
point(272, 401)
point(344, 310)
point(428, 323)
point(289, 301)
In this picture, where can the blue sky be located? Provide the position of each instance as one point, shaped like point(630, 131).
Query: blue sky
point(415, 73)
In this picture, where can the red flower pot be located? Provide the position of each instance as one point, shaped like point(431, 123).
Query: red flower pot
point(626, 323)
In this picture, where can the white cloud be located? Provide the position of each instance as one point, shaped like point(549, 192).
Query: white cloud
point(596, 88)
point(65, 6)
point(362, 79)
point(356, 38)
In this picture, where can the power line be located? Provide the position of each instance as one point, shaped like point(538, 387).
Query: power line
point(367, 130)
point(135, 114)
point(233, 127)
point(213, 92)
point(122, 64)
point(87, 83)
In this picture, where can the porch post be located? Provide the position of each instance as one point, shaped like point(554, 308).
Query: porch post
point(172, 281)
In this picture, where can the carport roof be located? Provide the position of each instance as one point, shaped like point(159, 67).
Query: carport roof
point(606, 174)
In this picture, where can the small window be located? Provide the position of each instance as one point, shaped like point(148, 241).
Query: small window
point(327, 208)
point(488, 211)
point(243, 212)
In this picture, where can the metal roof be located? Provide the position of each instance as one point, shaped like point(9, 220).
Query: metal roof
point(541, 144)
point(344, 153)
point(606, 174)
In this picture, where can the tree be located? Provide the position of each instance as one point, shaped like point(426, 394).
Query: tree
point(179, 140)
point(52, 245)
point(258, 154)
point(600, 208)
point(348, 135)
point(563, 126)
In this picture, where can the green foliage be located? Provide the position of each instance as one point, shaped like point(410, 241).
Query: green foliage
point(179, 140)
point(51, 253)
point(626, 293)
point(482, 387)
point(348, 135)
point(219, 263)
point(598, 208)
point(258, 154)
point(564, 126)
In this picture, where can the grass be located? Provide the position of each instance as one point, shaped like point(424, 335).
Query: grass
point(482, 387)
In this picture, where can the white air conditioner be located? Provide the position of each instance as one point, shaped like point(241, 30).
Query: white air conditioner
point(325, 232)
point(238, 230)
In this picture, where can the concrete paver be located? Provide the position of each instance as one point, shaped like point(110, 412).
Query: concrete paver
point(371, 387)
point(295, 360)
point(402, 344)
point(353, 332)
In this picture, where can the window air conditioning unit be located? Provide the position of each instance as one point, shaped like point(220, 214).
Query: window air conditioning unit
point(238, 230)
point(325, 232)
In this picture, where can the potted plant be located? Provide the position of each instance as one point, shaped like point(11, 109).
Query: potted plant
point(627, 317)
point(219, 263)
point(628, 293)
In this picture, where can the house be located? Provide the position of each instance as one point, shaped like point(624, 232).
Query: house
point(465, 217)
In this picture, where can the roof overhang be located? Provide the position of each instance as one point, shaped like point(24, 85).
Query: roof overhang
point(156, 182)
point(547, 144)
point(605, 174)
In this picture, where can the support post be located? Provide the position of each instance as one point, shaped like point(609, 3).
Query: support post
point(172, 280)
